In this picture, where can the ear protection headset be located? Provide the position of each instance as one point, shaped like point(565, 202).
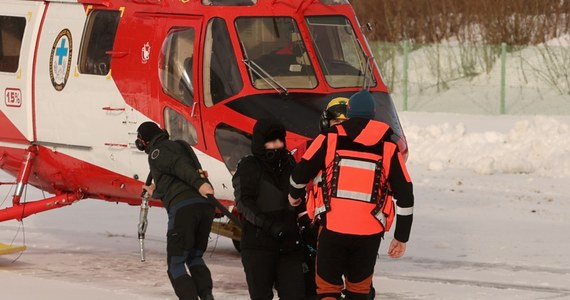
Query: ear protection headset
point(324, 121)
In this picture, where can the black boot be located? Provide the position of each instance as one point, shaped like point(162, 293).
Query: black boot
point(203, 280)
point(184, 288)
point(207, 297)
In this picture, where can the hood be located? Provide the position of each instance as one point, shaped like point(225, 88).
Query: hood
point(266, 130)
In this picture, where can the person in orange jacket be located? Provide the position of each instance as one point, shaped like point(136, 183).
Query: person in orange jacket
point(361, 167)
point(333, 114)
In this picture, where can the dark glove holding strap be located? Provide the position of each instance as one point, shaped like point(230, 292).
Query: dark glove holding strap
point(304, 221)
point(275, 229)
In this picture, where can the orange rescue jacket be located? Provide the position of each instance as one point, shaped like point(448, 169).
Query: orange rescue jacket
point(354, 192)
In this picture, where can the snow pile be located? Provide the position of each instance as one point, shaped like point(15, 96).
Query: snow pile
point(536, 145)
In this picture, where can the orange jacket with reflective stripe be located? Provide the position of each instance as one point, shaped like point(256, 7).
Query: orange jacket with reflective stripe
point(357, 167)
point(354, 184)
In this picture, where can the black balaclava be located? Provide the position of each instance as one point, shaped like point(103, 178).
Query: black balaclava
point(145, 133)
point(266, 130)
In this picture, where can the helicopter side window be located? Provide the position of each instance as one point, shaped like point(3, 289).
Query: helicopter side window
point(176, 65)
point(274, 53)
point(98, 38)
point(178, 127)
point(11, 34)
point(221, 74)
point(340, 54)
point(233, 144)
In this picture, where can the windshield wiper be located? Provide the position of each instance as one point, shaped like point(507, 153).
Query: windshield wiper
point(365, 83)
point(248, 62)
point(275, 85)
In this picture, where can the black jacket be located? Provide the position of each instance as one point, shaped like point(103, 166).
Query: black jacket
point(174, 172)
point(261, 197)
point(261, 187)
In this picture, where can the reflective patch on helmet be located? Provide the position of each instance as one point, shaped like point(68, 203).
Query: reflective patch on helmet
point(154, 154)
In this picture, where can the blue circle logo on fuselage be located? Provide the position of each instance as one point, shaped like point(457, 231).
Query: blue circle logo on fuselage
point(60, 59)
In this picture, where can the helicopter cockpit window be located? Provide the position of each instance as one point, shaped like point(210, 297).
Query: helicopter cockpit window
point(179, 128)
point(230, 2)
point(221, 74)
point(340, 54)
point(176, 65)
point(274, 53)
point(11, 34)
point(98, 38)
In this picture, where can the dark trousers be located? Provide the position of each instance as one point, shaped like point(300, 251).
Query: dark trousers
point(353, 256)
point(266, 268)
point(189, 226)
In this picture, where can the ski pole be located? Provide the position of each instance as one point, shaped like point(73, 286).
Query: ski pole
point(143, 221)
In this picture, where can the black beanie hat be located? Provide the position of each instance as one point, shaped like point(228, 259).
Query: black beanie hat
point(148, 130)
point(361, 105)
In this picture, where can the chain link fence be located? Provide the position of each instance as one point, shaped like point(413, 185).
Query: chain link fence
point(477, 78)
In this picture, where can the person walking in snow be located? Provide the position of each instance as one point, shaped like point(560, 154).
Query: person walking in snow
point(183, 188)
point(361, 168)
point(334, 113)
point(270, 249)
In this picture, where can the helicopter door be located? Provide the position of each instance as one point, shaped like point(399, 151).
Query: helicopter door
point(18, 33)
point(178, 64)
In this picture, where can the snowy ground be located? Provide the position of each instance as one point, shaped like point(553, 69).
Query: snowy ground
point(491, 222)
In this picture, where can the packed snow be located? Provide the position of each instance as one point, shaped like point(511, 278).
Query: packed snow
point(491, 222)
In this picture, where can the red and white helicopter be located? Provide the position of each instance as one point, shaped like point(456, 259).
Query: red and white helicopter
point(79, 76)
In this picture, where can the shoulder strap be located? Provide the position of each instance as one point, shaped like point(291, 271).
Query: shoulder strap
point(191, 153)
point(372, 133)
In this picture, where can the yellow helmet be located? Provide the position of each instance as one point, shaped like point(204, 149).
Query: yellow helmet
point(336, 109)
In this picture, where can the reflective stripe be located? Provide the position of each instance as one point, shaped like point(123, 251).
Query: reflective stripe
point(302, 214)
point(319, 210)
point(357, 164)
point(352, 170)
point(354, 195)
point(296, 185)
point(318, 178)
point(382, 218)
point(404, 211)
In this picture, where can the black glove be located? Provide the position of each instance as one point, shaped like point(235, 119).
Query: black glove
point(304, 221)
point(276, 229)
point(309, 232)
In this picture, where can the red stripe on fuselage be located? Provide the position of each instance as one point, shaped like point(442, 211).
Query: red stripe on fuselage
point(38, 38)
point(9, 132)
